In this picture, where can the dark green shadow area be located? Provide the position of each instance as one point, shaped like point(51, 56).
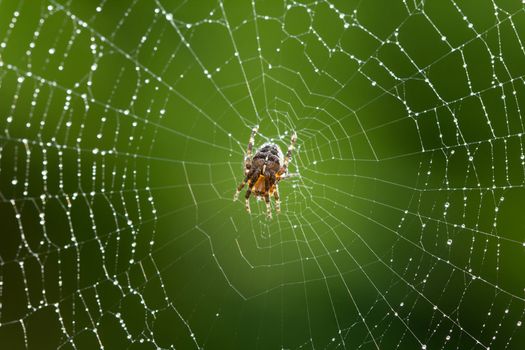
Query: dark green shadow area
point(123, 129)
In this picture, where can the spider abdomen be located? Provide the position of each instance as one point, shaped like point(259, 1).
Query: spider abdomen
point(270, 152)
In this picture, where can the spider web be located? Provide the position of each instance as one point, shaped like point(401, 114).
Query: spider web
point(125, 124)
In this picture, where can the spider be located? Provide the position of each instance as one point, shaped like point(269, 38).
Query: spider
point(264, 171)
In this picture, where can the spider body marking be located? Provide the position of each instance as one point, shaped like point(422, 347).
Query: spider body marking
point(263, 172)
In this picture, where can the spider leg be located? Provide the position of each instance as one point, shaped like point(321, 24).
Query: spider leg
point(266, 182)
point(288, 156)
point(251, 182)
point(240, 187)
point(268, 206)
point(277, 199)
point(267, 194)
point(247, 197)
point(248, 158)
point(288, 175)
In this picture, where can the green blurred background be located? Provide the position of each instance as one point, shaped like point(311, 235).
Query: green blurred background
point(123, 130)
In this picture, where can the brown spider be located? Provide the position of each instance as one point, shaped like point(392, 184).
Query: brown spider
point(264, 171)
